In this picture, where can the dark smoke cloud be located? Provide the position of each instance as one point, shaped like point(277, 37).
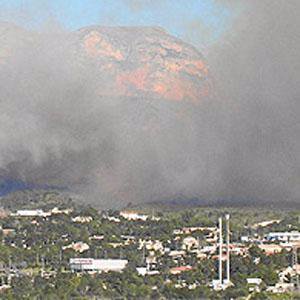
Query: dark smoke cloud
point(243, 144)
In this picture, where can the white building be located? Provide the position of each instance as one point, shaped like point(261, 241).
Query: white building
point(98, 265)
point(265, 223)
point(143, 271)
point(31, 213)
point(254, 284)
point(57, 211)
point(82, 219)
point(155, 245)
point(78, 247)
point(281, 287)
point(133, 216)
point(284, 236)
point(189, 242)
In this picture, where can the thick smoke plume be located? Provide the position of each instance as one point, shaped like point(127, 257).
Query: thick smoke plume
point(240, 143)
point(257, 65)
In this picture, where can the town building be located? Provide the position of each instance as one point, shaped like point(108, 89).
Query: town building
point(283, 236)
point(270, 249)
point(98, 265)
point(82, 219)
point(78, 247)
point(179, 270)
point(254, 284)
point(133, 216)
point(30, 213)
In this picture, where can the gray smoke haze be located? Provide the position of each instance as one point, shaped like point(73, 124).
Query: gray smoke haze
point(257, 67)
point(242, 143)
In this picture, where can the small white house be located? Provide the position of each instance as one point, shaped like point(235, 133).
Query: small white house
point(30, 213)
point(82, 219)
point(254, 284)
point(78, 247)
point(143, 271)
point(189, 242)
point(133, 216)
point(284, 236)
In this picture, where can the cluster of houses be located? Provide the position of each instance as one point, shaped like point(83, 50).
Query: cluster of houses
point(40, 212)
point(209, 247)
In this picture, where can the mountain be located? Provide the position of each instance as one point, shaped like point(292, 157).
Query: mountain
point(147, 61)
point(113, 113)
point(125, 61)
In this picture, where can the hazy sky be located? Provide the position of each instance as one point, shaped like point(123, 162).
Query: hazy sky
point(182, 18)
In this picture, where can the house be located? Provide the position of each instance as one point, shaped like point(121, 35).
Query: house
point(245, 239)
point(265, 223)
point(113, 219)
point(143, 271)
point(217, 256)
point(189, 242)
point(115, 244)
point(189, 230)
point(82, 219)
point(57, 211)
point(8, 231)
point(152, 245)
point(151, 261)
point(128, 239)
point(3, 213)
point(179, 270)
point(289, 272)
point(283, 236)
point(4, 287)
point(201, 255)
point(133, 216)
point(209, 249)
point(290, 245)
point(270, 249)
point(96, 237)
point(281, 287)
point(238, 249)
point(97, 265)
point(254, 284)
point(219, 286)
point(177, 253)
point(78, 247)
point(30, 213)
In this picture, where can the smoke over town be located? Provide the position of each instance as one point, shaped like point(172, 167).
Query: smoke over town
point(134, 114)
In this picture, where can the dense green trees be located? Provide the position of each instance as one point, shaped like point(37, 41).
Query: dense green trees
point(36, 249)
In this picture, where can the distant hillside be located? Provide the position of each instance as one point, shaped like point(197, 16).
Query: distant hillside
point(181, 203)
point(31, 199)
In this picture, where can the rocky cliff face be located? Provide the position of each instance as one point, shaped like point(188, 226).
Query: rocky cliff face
point(128, 61)
point(146, 61)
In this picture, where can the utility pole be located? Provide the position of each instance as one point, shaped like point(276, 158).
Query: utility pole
point(220, 251)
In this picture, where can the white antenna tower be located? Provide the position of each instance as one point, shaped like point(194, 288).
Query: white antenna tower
point(227, 217)
point(220, 251)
